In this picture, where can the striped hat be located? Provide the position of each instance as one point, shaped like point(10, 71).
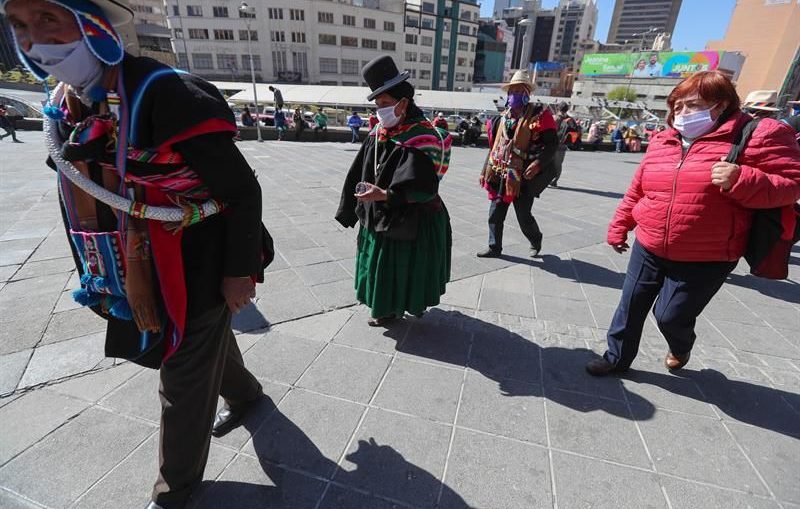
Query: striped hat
point(96, 19)
point(766, 100)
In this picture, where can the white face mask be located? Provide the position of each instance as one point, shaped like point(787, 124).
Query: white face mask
point(694, 124)
point(73, 63)
point(387, 117)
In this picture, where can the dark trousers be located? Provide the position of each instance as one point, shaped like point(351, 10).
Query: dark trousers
point(680, 290)
point(354, 130)
point(558, 161)
point(207, 365)
point(522, 207)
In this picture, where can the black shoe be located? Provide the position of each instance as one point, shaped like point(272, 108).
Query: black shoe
point(490, 253)
point(601, 367)
point(553, 184)
point(229, 418)
point(153, 505)
point(536, 246)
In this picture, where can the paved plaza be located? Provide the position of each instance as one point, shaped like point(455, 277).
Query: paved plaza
point(483, 402)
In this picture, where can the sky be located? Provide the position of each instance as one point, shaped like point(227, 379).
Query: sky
point(699, 21)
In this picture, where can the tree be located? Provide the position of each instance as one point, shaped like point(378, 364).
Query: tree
point(622, 94)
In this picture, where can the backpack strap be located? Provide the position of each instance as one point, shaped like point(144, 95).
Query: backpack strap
point(741, 138)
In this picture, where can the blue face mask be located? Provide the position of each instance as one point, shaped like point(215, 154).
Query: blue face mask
point(518, 100)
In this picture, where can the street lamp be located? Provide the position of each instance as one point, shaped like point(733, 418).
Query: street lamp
point(525, 57)
point(248, 13)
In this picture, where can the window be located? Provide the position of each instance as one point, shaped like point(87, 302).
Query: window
point(443, 76)
point(463, 29)
point(412, 73)
point(463, 46)
point(202, 61)
point(427, 23)
point(178, 33)
point(411, 38)
point(325, 17)
point(247, 15)
point(428, 7)
point(256, 62)
point(183, 62)
point(327, 39)
point(299, 37)
point(349, 20)
point(424, 74)
point(369, 23)
point(388, 46)
point(243, 35)
point(223, 35)
point(425, 58)
point(198, 33)
point(300, 62)
point(194, 10)
point(427, 40)
point(388, 26)
point(297, 15)
point(412, 21)
point(461, 61)
point(411, 56)
point(277, 36)
point(350, 67)
point(349, 41)
point(460, 76)
point(275, 13)
point(329, 65)
point(445, 43)
point(278, 62)
point(369, 43)
point(445, 59)
point(226, 61)
point(446, 26)
point(472, 47)
point(220, 12)
point(147, 9)
point(466, 15)
point(176, 11)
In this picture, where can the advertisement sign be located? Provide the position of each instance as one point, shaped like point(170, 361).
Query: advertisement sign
point(650, 64)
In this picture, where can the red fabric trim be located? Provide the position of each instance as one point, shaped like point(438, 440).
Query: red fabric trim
point(212, 125)
point(167, 254)
point(788, 219)
point(546, 121)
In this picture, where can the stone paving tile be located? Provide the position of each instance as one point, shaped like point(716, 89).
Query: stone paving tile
point(666, 391)
point(357, 333)
point(75, 456)
point(59, 360)
point(333, 373)
point(583, 482)
point(281, 358)
point(335, 295)
point(7, 271)
point(326, 272)
point(280, 306)
point(308, 432)
point(321, 327)
point(707, 454)
point(72, 324)
point(45, 268)
point(10, 501)
point(12, 366)
point(397, 456)
point(424, 390)
point(751, 338)
point(463, 293)
point(96, 385)
point(26, 309)
point(686, 495)
point(506, 407)
point(51, 411)
point(17, 251)
point(137, 397)
point(340, 498)
point(519, 474)
point(505, 355)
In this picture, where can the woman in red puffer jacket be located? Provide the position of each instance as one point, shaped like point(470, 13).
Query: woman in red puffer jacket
point(692, 213)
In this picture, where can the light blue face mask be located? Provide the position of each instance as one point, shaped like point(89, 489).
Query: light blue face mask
point(73, 63)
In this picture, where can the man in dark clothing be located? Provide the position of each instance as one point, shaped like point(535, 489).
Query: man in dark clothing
point(565, 126)
point(178, 283)
point(277, 97)
point(520, 164)
point(7, 124)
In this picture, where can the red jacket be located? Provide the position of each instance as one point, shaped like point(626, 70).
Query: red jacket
point(681, 216)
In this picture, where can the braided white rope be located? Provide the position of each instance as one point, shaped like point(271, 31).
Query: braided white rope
point(112, 199)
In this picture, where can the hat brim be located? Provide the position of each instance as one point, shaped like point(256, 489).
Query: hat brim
point(763, 108)
point(116, 13)
point(403, 76)
point(506, 86)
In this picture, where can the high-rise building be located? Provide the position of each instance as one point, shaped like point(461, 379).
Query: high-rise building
point(767, 33)
point(576, 22)
point(150, 22)
point(501, 5)
point(494, 51)
point(634, 17)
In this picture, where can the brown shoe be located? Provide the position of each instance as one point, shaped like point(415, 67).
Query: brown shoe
point(382, 321)
point(676, 362)
point(601, 367)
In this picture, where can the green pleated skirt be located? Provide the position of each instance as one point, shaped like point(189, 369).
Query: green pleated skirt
point(398, 276)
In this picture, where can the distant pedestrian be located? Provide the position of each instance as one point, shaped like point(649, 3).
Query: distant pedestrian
point(441, 122)
point(618, 138)
point(565, 127)
point(299, 123)
point(595, 136)
point(355, 122)
point(692, 212)
point(280, 123)
point(320, 123)
point(277, 97)
point(761, 103)
point(247, 118)
point(8, 124)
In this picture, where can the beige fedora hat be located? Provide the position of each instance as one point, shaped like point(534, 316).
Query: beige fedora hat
point(521, 77)
point(762, 100)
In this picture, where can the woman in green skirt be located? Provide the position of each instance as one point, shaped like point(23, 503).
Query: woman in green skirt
point(392, 191)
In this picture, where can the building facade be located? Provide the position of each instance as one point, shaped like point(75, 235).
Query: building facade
point(767, 33)
point(576, 22)
point(327, 43)
point(632, 17)
point(494, 51)
point(152, 31)
point(8, 55)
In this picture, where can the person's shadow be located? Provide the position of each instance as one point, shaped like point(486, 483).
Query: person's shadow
point(294, 473)
point(785, 290)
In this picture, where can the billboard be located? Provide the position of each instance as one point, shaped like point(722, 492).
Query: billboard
point(650, 64)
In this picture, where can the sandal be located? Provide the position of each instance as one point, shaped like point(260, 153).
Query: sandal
point(382, 321)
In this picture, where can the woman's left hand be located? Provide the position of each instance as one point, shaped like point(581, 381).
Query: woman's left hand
point(373, 193)
point(725, 175)
point(531, 170)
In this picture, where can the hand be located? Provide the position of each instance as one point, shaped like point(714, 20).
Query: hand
point(531, 170)
point(481, 180)
point(237, 292)
point(373, 193)
point(620, 248)
point(725, 175)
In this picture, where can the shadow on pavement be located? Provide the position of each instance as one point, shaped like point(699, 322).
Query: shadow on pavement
point(248, 319)
point(604, 194)
point(785, 290)
point(298, 470)
point(573, 270)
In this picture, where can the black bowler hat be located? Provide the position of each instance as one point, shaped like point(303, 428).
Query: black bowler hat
point(381, 74)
